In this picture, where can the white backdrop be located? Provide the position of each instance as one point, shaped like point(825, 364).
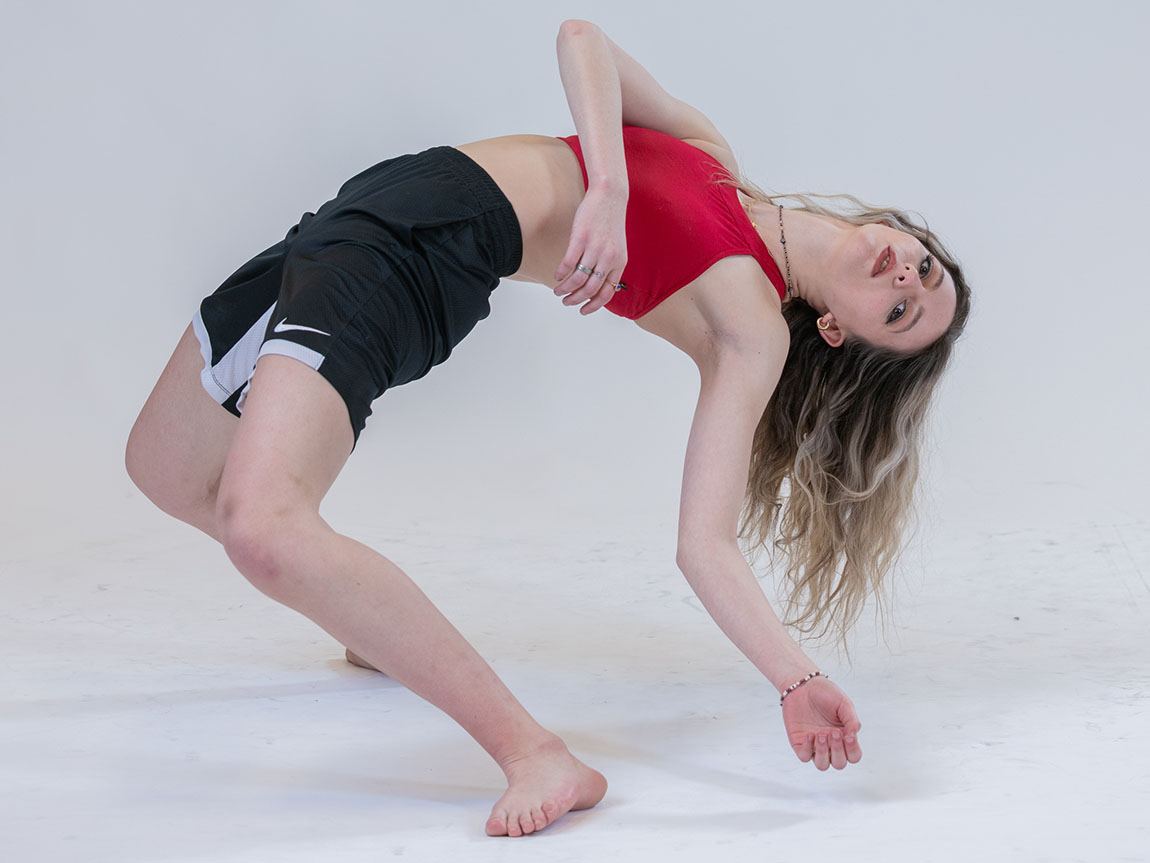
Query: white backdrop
point(156, 708)
point(150, 148)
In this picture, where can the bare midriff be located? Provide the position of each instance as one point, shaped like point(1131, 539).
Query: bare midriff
point(541, 178)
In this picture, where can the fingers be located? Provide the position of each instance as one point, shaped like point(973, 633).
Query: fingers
point(566, 271)
point(570, 277)
point(823, 726)
point(592, 284)
point(577, 267)
point(822, 758)
point(805, 748)
point(835, 749)
point(595, 289)
point(588, 273)
point(605, 293)
point(838, 752)
point(852, 747)
point(831, 748)
point(601, 296)
point(849, 720)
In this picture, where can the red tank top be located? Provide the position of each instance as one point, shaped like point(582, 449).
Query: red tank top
point(680, 221)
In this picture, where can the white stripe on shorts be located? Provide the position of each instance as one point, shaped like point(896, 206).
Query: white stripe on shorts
point(235, 367)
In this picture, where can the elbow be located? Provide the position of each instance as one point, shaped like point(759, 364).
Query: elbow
point(693, 554)
point(684, 559)
point(573, 27)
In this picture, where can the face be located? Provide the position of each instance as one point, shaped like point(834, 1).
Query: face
point(886, 289)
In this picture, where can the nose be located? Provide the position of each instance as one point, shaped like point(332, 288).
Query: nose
point(908, 276)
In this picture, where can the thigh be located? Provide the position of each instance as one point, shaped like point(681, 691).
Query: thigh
point(290, 444)
point(180, 441)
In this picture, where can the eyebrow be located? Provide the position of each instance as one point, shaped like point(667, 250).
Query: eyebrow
point(941, 277)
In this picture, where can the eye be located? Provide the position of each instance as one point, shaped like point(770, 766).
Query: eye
point(927, 268)
point(897, 312)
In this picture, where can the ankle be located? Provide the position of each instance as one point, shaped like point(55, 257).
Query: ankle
point(546, 745)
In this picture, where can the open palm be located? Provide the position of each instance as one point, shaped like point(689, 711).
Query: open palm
point(822, 725)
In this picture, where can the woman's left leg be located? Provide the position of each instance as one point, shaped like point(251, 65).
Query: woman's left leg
point(290, 444)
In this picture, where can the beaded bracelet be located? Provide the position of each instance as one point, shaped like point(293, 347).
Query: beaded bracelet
point(806, 679)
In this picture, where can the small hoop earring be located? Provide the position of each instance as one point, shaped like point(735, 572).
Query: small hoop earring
point(822, 325)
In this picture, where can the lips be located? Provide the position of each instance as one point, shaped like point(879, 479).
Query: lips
point(885, 260)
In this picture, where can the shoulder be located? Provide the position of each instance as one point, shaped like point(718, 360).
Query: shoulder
point(720, 152)
point(711, 143)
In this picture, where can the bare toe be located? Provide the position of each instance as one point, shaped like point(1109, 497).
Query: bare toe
point(542, 787)
point(356, 659)
point(497, 824)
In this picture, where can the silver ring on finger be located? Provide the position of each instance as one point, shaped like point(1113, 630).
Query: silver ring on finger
point(597, 274)
point(584, 269)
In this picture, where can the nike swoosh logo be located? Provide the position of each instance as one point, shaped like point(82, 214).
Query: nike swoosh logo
point(283, 327)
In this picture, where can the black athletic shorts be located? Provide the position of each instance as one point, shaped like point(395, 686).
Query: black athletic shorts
point(373, 289)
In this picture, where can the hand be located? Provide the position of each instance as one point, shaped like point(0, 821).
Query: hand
point(822, 725)
point(599, 244)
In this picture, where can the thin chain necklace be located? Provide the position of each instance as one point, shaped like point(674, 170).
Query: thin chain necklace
point(786, 257)
point(782, 240)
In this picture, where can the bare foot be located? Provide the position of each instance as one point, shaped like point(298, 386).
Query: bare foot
point(541, 787)
point(356, 659)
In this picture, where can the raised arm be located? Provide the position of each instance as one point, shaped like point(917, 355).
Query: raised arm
point(606, 89)
point(736, 383)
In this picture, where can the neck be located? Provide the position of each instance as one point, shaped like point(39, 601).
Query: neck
point(810, 239)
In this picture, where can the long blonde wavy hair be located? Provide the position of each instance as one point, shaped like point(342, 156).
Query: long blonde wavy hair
point(836, 453)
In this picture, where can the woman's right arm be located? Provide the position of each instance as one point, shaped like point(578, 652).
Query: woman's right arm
point(737, 377)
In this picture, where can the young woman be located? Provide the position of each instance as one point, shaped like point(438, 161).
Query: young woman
point(814, 373)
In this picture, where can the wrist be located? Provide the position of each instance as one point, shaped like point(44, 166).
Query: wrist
point(800, 682)
point(785, 664)
point(613, 185)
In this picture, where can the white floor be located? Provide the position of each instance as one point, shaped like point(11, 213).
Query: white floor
point(157, 708)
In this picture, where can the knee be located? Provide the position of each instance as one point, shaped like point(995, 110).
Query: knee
point(264, 543)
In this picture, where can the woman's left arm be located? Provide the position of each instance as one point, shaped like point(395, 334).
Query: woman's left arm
point(606, 89)
point(598, 235)
point(736, 383)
